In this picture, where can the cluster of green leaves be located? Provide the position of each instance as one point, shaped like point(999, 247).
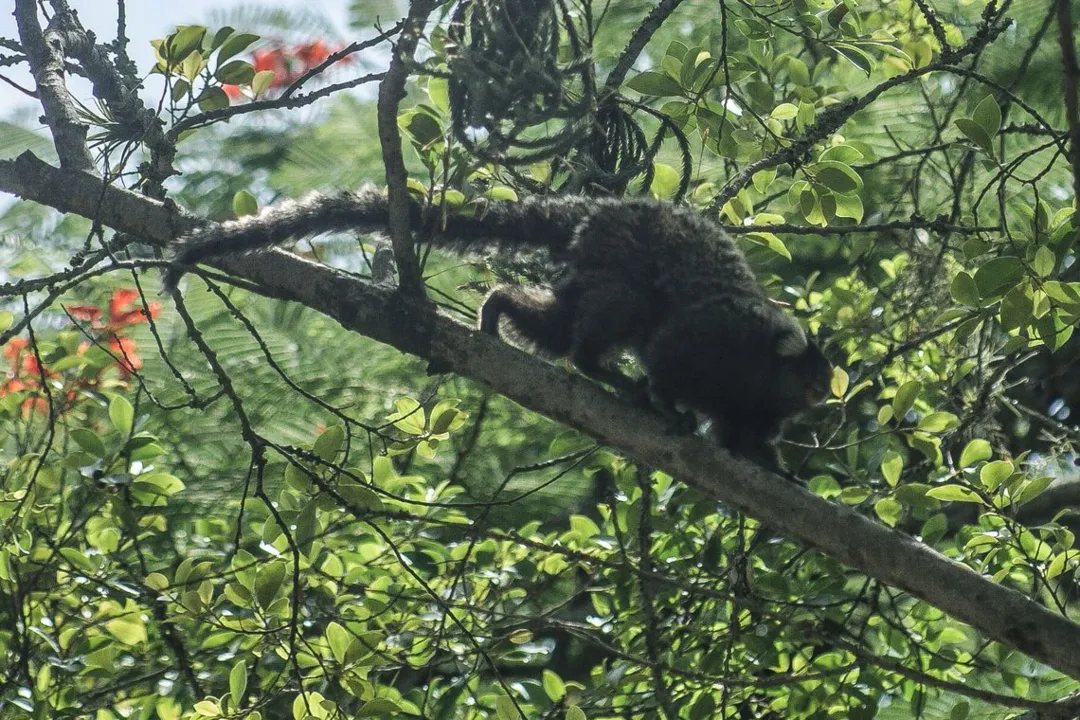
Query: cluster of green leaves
point(199, 62)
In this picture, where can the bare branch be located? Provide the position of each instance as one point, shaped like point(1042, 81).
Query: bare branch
point(639, 40)
point(391, 92)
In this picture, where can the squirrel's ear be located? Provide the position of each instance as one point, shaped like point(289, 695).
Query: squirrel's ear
point(792, 343)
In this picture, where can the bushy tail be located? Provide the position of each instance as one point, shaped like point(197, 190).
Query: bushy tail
point(535, 222)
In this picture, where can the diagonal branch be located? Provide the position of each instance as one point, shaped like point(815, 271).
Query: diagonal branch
point(416, 327)
point(640, 39)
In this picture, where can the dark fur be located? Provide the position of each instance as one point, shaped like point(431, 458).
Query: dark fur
point(640, 275)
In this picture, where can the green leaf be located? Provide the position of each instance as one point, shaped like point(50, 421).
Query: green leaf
point(1045, 261)
point(975, 451)
point(553, 686)
point(6, 320)
point(999, 275)
point(235, 72)
point(191, 66)
point(238, 680)
point(892, 463)
point(128, 628)
point(824, 486)
point(1032, 489)
point(329, 443)
point(798, 72)
point(842, 153)
point(157, 485)
point(1052, 330)
point(235, 45)
point(501, 193)
point(806, 116)
point(934, 529)
point(704, 708)
point(209, 708)
point(339, 640)
point(410, 417)
point(954, 493)
point(438, 90)
point(575, 713)
point(665, 181)
point(307, 528)
point(445, 418)
point(889, 510)
point(654, 83)
point(976, 134)
point(121, 413)
point(78, 560)
point(181, 43)
point(1067, 294)
point(221, 36)
point(785, 111)
point(360, 496)
point(856, 56)
point(379, 706)
point(836, 176)
point(853, 494)
point(838, 384)
point(905, 397)
point(770, 241)
point(939, 422)
point(88, 441)
point(505, 708)
point(964, 290)
point(849, 206)
point(1057, 565)
point(1016, 308)
point(156, 581)
point(268, 582)
point(244, 203)
point(422, 127)
point(762, 179)
point(262, 81)
point(521, 636)
point(988, 115)
point(213, 98)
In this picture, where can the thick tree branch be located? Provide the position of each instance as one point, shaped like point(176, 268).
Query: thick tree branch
point(391, 92)
point(121, 95)
point(45, 52)
point(416, 327)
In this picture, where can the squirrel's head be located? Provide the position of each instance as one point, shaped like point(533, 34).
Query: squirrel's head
point(805, 373)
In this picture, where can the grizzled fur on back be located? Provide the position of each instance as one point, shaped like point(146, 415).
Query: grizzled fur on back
point(659, 280)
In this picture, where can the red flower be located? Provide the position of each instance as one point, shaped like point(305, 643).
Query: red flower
point(86, 313)
point(269, 59)
point(312, 53)
point(119, 317)
point(14, 349)
point(287, 63)
point(127, 359)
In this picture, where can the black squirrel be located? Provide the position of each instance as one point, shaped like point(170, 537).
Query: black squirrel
point(636, 274)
